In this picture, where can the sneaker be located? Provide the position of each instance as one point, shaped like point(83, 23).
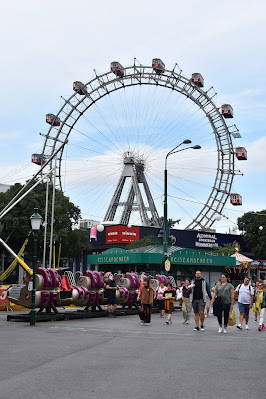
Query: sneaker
point(147, 324)
point(168, 322)
point(142, 322)
point(247, 327)
point(239, 326)
point(187, 322)
point(220, 330)
point(255, 319)
point(260, 328)
point(196, 328)
point(184, 322)
point(263, 327)
point(225, 330)
point(201, 328)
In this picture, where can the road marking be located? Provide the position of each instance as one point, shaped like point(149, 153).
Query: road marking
point(145, 332)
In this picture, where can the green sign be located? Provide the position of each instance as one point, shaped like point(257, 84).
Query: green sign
point(116, 256)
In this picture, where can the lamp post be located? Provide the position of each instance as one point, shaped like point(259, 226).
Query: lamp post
point(165, 221)
point(36, 221)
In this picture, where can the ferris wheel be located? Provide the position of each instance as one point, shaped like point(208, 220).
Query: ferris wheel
point(139, 113)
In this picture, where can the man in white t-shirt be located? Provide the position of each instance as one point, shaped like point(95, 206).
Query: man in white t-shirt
point(245, 301)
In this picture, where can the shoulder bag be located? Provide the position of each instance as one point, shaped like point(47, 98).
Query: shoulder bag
point(218, 304)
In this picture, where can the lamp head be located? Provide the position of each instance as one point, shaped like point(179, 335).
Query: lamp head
point(36, 220)
point(100, 228)
point(196, 147)
point(187, 141)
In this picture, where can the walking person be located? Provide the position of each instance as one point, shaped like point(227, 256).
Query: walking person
point(159, 296)
point(186, 304)
point(146, 297)
point(256, 291)
point(169, 297)
point(110, 289)
point(245, 301)
point(200, 289)
point(225, 291)
point(261, 305)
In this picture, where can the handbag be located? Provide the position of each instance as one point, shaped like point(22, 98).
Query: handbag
point(232, 318)
point(218, 304)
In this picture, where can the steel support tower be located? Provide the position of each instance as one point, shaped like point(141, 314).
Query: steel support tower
point(133, 169)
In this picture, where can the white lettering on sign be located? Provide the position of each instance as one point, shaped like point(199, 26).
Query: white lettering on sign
point(112, 233)
point(206, 240)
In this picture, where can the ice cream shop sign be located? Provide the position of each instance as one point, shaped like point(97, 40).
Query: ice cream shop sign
point(121, 234)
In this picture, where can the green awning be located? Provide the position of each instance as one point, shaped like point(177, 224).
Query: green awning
point(184, 256)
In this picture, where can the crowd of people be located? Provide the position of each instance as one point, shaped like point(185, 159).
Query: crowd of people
point(197, 295)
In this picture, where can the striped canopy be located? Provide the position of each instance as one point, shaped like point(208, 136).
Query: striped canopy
point(241, 258)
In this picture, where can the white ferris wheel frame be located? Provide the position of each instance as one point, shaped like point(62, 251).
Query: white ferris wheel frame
point(100, 86)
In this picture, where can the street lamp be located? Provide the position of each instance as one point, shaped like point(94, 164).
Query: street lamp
point(36, 221)
point(165, 222)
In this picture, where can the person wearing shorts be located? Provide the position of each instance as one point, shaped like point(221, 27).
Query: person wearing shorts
point(159, 296)
point(200, 290)
point(110, 291)
point(169, 296)
point(245, 301)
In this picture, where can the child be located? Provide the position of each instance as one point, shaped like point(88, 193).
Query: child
point(169, 297)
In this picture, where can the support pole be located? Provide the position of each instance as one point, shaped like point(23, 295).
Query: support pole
point(52, 219)
point(165, 222)
point(45, 223)
point(33, 310)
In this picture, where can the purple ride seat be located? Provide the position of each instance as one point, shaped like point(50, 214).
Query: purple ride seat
point(52, 299)
point(93, 279)
point(92, 298)
point(132, 280)
point(54, 278)
point(86, 293)
point(99, 279)
point(44, 299)
point(137, 279)
point(46, 276)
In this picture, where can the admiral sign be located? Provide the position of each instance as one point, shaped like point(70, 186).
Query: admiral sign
point(121, 234)
point(206, 240)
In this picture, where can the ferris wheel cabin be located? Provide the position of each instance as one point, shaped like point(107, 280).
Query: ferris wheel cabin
point(227, 111)
point(117, 69)
point(37, 158)
point(241, 153)
point(158, 65)
point(235, 199)
point(80, 88)
point(197, 79)
point(53, 120)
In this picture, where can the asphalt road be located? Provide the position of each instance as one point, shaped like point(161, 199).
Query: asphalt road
point(119, 358)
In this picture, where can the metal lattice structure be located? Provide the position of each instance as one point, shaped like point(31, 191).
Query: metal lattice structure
point(100, 86)
point(133, 169)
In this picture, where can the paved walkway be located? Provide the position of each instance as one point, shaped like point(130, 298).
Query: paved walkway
point(119, 358)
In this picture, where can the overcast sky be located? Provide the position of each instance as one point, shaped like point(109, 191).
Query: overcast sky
point(47, 45)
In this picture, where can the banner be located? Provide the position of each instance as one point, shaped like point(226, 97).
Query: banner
point(121, 234)
point(93, 232)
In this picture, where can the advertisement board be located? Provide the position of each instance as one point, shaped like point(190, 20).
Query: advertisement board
point(121, 234)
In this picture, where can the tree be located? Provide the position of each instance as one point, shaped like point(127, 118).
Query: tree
point(143, 242)
point(254, 237)
point(16, 223)
point(226, 249)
